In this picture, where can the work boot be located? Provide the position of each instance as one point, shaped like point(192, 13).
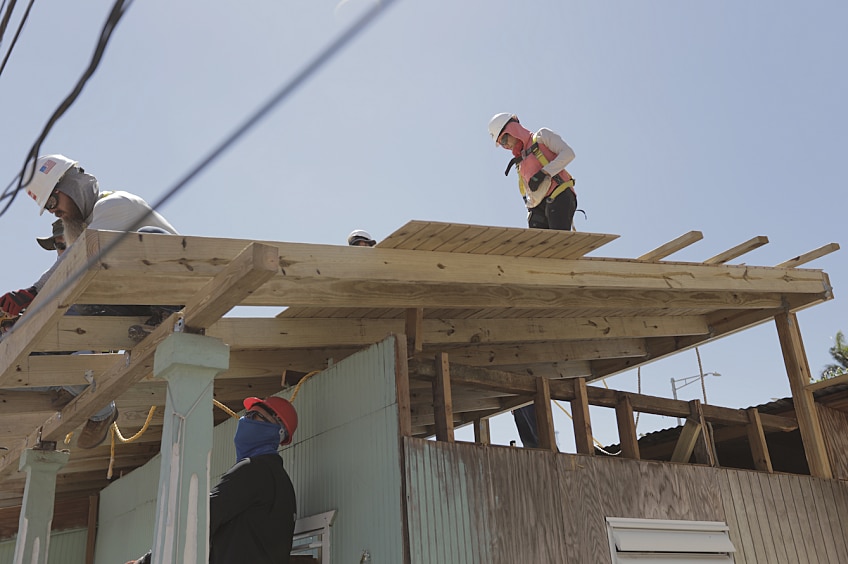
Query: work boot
point(61, 398)
point(94, 432)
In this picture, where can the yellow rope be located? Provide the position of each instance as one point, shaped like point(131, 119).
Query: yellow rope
point(220, 405)
point(302, 380)
point(114, 431)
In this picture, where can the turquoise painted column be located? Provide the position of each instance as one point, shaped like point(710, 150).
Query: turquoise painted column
point(41, 467)
point(189, 364)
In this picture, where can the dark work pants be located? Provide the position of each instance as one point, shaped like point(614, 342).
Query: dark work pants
point(554, 214)
point(550, 214)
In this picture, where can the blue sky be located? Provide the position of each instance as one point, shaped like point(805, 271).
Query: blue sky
point(723, 117)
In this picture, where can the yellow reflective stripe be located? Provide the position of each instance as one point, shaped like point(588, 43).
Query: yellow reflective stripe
point(561, 188)
point(538, 152)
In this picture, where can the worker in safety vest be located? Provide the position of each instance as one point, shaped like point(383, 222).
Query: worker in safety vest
point(541, 158)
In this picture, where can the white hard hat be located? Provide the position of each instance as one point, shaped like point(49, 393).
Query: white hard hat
point(358, 235)
point(497, 123)
point(49, 170)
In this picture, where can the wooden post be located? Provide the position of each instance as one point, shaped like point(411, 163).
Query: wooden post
point(442, 402)
point(91, 536)
point(703, 448)
point(757, 439)
point(798, 371)
point(402, 387)
point(482, 435)
point(544, 415)
point(626, 427)
point(580, 418)
point(686, 441)
point(415, 329)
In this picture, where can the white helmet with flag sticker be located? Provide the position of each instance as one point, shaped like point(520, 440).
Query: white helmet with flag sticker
point(49, 170)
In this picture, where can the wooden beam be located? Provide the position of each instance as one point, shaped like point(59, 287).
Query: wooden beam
point(110, 333)
point(686, 441)
point(554, 351)
point(331, 275)
point(672, 246)
point(810, 256)
point(251, 268)
point(738, 250)
point(581, 419)
point(91, 536)
point(757, 440)
point(626, 427)
point(229, 288)
point(402, 387)
point(544, 415)
point(798, 371)
point(836, 381)
point(442, 403)
point(703, 449)
point(482, 433)
point(415, 329)
point(523, 385)
point(61, 290)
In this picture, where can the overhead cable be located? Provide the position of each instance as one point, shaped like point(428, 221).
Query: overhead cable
point(118, 10)
point(310, 69)
point(17, 34)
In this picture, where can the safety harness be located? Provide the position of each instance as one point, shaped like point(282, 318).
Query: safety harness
point(562, 184)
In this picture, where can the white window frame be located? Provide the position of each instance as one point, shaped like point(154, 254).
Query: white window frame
point(312, 534)
point(669, 541)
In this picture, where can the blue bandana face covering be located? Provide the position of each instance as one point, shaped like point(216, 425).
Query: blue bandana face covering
point(255, 437)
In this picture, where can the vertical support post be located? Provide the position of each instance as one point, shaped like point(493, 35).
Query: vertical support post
point(189, 364)
point(91, 537)
point(626, 426)
point(41, 467)
point(402, 387)
point(703, 447)
point(442, 399)
point(798, 371)
point(415, 329)
point(580, 418)
point(482, 434)
point(757, 440)
point(544, 415)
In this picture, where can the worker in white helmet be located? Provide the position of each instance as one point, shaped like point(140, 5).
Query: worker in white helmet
point(60, 186)
point(541, 158)
point(360, 238)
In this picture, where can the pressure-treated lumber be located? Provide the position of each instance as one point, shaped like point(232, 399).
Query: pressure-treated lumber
point(581, 420)
point(757, 440)
point(672, 246)
point(442, 402)
point(544, 415)
point(229, 287)
point(738, 250)
point(110, 333)
point(810, 256)
point(626, 426)
point(798, 371)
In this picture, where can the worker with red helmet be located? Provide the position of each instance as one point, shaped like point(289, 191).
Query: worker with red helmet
point(252, 509)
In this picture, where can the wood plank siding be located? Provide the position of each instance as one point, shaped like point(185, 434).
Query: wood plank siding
point(475, 503)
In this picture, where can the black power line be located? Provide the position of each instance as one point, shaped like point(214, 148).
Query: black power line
point(310, 69)
point(118, 9)
point(17, 34)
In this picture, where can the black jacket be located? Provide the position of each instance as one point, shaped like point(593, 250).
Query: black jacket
point(252, 513)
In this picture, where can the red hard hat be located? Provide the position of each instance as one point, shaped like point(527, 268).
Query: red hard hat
point(282, 408)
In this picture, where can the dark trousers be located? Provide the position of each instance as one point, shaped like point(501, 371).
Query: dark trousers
point(554, 214)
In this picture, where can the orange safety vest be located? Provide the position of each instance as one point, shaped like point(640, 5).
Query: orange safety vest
point(533, 159)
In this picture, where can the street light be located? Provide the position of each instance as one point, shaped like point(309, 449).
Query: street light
point(686, 381)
